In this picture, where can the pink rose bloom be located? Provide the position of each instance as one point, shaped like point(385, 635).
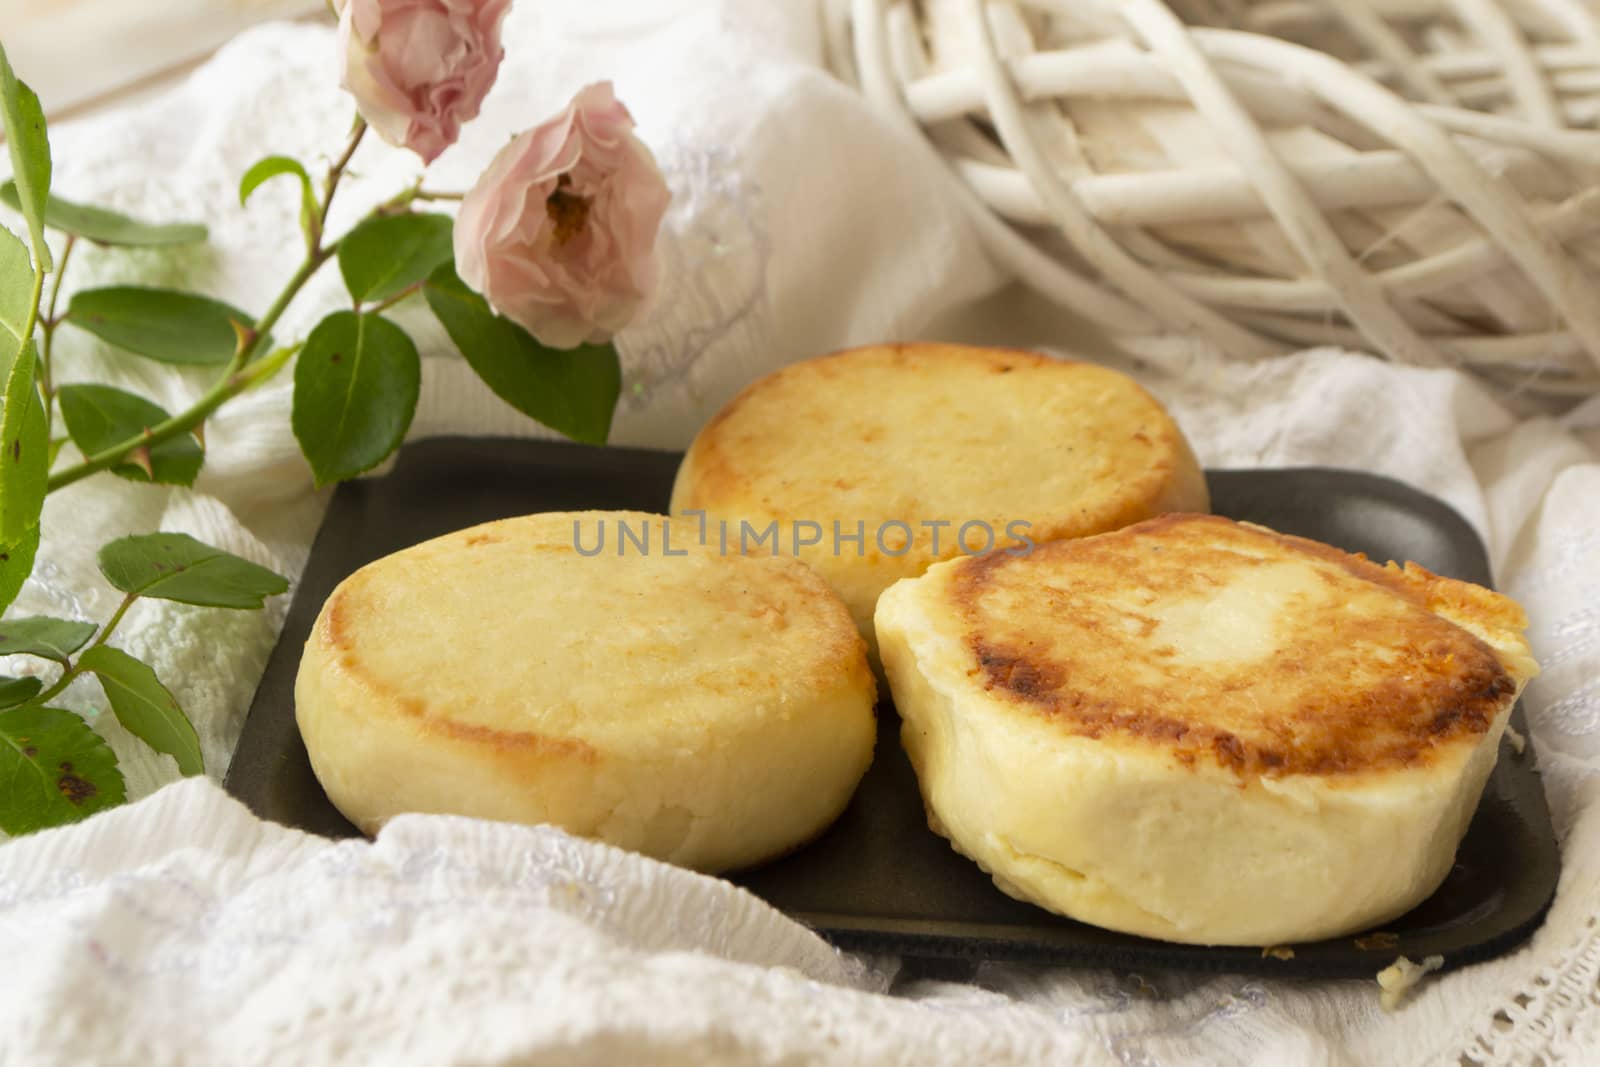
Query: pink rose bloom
point(420, 68)
point(559, 233)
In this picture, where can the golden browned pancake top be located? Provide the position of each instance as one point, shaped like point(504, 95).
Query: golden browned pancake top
point(569, 652)
point(921, 433)
point(1219, 641)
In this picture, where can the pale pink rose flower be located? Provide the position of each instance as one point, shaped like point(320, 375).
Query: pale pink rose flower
point(559, 233)
point(420, 68)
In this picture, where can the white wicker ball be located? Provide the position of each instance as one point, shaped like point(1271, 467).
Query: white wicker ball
point(1417, 178)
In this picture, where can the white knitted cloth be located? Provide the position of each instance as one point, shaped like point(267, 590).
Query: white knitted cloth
point(181, 930)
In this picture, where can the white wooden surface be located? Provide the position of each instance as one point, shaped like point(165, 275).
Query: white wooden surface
point(80, 53)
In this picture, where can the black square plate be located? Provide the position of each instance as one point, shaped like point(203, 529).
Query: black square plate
point(879, 880)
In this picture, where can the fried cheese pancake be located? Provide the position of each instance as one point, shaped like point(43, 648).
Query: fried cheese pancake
point(1200, 730)
point(932, 437)
point(713, 711)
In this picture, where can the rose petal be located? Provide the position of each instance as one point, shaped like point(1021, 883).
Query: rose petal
point(418, 69)
point(567, 288)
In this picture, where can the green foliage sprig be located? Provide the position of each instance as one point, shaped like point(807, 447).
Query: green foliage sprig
point(356, 383)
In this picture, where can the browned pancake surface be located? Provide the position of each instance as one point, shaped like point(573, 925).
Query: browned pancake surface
point(1267, 654)
point(925, 432)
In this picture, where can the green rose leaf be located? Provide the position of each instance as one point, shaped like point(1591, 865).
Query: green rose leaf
point(271, 167)
point(98, 417)
point(355, 390)
point(30, 153)
point(47, 638)
point(24, 450)
point(14, 691)
point(383, 256)
point(144, 706)
point(571, 391)
point(54, 769)
point(161, 324)
point(16, 563)
point(20, 501)
point(106, 227)
point(16, 295)
point(174, 566)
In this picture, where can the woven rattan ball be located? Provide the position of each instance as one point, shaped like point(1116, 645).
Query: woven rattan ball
point(1417, 178)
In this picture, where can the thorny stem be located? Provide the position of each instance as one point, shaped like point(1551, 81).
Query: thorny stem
point(395, 299)
point(248, 367)
point(336, 172)
point(55, 286)
point(403, 200)
point(226, 388)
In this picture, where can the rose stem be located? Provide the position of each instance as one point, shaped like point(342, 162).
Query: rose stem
point(242, 370)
